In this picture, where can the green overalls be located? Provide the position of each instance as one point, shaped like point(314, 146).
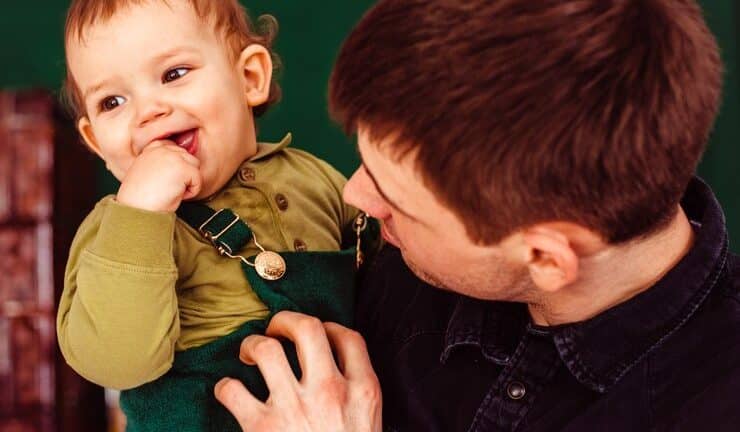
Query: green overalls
point(316, 283)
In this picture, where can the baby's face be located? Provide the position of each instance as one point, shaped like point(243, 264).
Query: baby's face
point(156, 72)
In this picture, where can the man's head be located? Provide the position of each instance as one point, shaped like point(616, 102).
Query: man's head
point(190, 71)
point(586, 115)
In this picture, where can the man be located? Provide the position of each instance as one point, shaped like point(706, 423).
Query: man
point(535, 160)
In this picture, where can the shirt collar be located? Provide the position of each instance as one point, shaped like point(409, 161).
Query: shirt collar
point(266, 149)
point(494, 327)
point(599, 351)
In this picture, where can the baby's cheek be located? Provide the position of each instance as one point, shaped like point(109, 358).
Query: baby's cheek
point(209, 100)
point(209, 103)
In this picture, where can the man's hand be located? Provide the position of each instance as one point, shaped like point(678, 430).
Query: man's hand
point(328, 397)
point(161, 177)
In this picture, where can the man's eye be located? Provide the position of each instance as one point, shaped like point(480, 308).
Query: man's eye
point(174, 74)
point(111, 103)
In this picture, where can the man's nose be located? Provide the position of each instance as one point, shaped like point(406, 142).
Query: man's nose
point(360, 192)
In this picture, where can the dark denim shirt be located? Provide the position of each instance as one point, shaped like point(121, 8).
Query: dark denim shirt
point(666, 360)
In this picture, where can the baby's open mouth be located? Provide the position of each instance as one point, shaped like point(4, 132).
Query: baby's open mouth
point(187, 139)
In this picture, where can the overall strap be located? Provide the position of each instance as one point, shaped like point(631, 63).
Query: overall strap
point(229, 234)
point(321, 281)
point(223, 228)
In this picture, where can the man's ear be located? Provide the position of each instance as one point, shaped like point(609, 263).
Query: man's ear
point(255, 67)
point(552, 259)
point(85, 128)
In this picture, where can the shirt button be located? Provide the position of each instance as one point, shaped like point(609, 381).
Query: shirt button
point(281, 202)
point(516, 390)
point(299, 245)
point(246, 174)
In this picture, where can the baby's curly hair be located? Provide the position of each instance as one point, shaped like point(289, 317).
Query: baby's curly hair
point(226, 16)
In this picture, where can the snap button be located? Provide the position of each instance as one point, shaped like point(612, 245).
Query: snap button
point(299, 245)
point(516, 390)
point(246, 174)
point(281, 202)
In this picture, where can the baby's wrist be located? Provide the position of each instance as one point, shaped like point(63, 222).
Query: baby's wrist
point(144, 200)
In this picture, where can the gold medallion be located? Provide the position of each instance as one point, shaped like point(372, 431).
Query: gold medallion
point(269, 265)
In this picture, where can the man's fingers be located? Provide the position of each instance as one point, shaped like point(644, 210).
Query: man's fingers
point(238, 400)
point(309, 337)
point(355, 363)
point(268, 354)
point(318, 402)
point(351, 352)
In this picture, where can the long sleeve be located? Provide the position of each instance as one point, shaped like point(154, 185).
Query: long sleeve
point(118, 319)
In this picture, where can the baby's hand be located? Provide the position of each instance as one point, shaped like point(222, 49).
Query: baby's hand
point(161, 177)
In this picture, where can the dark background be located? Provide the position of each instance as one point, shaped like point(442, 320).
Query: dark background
point(31, 55)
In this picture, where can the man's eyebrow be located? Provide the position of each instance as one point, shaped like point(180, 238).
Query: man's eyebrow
point(384, 196)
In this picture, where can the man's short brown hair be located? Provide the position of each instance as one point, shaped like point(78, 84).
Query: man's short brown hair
point(226, 16)
point(519, 112)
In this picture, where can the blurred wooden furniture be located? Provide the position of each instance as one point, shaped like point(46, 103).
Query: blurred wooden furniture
point(47, 185)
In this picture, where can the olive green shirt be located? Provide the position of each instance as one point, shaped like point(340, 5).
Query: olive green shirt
point(140, 285)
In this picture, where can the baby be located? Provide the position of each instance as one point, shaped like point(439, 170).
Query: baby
point(210, 231)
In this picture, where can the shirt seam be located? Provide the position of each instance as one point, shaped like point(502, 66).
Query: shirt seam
point(611, 376)
point(693, 307)
point(132, 268)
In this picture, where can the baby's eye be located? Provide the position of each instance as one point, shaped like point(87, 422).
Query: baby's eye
point(112, 102)
point(174, 74)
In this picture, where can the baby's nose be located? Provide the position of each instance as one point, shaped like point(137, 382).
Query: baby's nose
point(151, 111)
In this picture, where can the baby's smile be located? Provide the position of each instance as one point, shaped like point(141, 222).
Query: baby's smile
point(187, 139)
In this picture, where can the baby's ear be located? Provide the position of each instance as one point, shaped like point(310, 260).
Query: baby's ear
point(85, 128)
point(255, 68)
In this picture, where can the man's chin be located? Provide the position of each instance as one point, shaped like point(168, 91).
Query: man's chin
point(424, 275)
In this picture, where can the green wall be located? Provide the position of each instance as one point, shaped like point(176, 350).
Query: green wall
point(311, 32)
point(720, 166)
point(31, 54)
